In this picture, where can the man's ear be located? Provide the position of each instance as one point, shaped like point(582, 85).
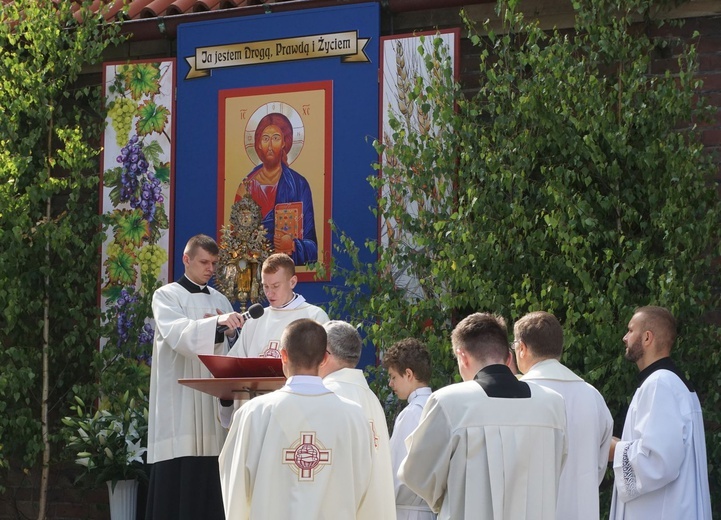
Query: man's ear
point(408, 374)
point(462, 357)
point(293, 281)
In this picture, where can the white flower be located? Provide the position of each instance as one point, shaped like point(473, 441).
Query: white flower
point(134, 452)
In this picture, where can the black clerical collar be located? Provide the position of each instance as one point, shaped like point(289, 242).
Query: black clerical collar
point(499, 381)
point(192, 287)
point(663, 364)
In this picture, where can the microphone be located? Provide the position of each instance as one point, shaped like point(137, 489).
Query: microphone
point(254, 312)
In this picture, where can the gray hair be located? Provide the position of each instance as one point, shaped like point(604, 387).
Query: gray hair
point(344, 342)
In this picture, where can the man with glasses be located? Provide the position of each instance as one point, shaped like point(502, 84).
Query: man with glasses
point(491, 446)
point(538, 346)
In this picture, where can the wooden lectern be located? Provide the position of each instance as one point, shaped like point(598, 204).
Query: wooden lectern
point(238, 378)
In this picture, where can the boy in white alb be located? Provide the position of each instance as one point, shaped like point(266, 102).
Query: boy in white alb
point(302, 451)
point(409, 370)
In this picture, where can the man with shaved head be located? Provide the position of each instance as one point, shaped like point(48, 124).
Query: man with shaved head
point(659, 463)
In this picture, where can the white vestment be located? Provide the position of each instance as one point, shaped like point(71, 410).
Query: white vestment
point(300, 453)
point(473, 456)
point(351, 384)
point(261, 337)
point(660, 462)
point(181, 421)
point(409, 506)
point(589, 431)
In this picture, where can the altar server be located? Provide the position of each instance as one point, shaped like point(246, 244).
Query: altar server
point(409, 373)
point(538, 346)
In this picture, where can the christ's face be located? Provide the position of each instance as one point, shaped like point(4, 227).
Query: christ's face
point(270, 147)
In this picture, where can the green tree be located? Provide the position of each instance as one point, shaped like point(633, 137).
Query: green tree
point(572, 180)
point(50, 120)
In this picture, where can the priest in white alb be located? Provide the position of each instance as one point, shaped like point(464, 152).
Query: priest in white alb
point(659, 464)
point(261, 337)
point(300, 452)
point(340, 374)
point(538, 346)
point(184, 434)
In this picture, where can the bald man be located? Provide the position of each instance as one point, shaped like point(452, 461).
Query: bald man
point(659, 463)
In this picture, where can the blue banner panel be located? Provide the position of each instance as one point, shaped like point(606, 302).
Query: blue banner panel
point(293, 90)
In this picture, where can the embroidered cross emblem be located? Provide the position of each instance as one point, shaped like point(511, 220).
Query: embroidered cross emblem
point(273, 350)
point(307, 456)
point(375, 435)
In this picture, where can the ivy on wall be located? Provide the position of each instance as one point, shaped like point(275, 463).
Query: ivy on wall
point(49, 223)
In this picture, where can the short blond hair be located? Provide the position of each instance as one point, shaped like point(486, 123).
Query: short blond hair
point(278, 261)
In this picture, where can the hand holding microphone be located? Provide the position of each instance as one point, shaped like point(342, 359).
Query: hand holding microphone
point(235, 320)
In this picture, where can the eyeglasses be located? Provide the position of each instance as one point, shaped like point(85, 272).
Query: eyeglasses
point(515, 344)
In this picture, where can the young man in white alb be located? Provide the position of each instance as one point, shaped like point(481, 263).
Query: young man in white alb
point(184, 436)
point(538, 346)
point(302, 451)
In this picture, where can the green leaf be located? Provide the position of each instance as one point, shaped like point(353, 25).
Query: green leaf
point(151, 118)
point(142, 79)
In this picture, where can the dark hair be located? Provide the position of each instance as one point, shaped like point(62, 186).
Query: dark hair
point(344, 342)
point(409, 353)
point(661, 322)
point(278, 261)
point(201, 242)
point(542, 334)
point(305, 342)
point(483, 336)
point(286, 129)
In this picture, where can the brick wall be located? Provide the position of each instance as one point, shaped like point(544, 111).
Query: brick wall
point(65, 501)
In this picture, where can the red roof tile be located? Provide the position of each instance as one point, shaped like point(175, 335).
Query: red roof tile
point(154, 8)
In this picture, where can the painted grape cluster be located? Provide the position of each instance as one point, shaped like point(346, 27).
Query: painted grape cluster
point(139, 186)
point(125, 316)
point(152, 258)
point(121, 113)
